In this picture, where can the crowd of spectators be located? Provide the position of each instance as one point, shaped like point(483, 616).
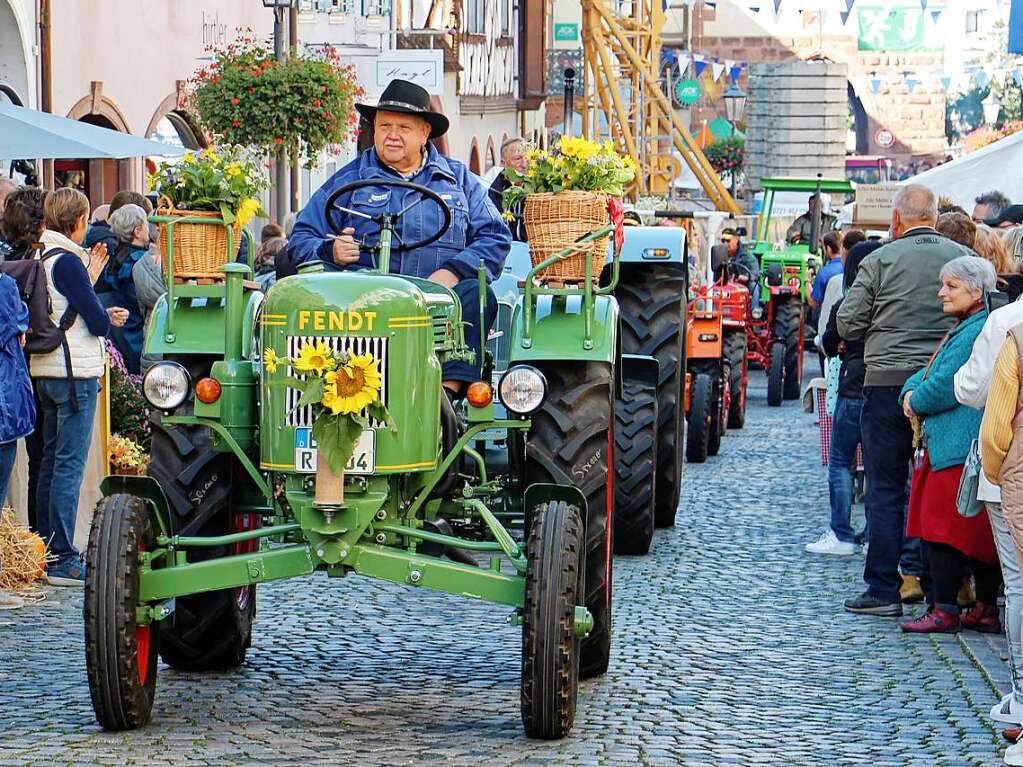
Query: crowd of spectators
point(927, 332)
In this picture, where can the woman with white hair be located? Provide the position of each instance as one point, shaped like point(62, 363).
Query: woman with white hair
point(130, 226)
point(956, 545)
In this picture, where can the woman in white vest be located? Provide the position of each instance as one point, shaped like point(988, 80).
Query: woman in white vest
point(67, 378)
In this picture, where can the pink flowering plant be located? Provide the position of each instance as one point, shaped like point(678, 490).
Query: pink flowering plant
point(129, 415)
point(248, 97)
point(726, 155)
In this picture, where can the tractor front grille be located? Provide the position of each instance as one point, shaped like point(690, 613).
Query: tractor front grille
point(303, 416)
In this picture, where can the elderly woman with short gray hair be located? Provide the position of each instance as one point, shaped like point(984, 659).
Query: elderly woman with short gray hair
point(130, 226)
point(956, 545)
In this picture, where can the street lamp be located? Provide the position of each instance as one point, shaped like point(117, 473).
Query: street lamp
point(735, 105)
point(991, 106)
point(280, 169)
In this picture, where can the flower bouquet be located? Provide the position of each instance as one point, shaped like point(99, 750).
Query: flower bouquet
point(566, 192)
point(344, 392)
point(126, 455)
point(219, 183)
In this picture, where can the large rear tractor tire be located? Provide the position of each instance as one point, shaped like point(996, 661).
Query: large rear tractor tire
point(787, 323)
point(700, 415)
point(120, 655)
point(550, 646)
point(635, 464)
point(735, 353)
point(652, 304)
point(211, 630)
point(776, 374)
point(571, 442)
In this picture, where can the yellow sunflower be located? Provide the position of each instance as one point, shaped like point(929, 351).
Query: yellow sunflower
point(314, 357)
point(353, 386)
point(270, 360)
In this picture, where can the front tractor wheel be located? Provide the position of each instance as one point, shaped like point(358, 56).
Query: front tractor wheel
point(735, 353)
point(701, 413)
point(788, 325)
point(571, 442)
point(635, 467)
point(550, 645)
point(719, 411)
point(776, 374)
point(120, 654)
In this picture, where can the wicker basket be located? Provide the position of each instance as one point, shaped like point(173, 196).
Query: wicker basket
point(555, 221)
point(199, 249)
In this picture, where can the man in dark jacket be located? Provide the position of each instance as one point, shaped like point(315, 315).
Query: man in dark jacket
point(513, 156)
point(892, 306)
point(839, 538)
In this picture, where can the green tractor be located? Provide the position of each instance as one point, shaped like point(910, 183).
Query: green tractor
point(775, 335)
point(230, 500)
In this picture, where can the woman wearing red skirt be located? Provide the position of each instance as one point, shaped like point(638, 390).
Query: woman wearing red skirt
point(956, 545)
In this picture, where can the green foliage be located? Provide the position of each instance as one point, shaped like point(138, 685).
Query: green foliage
point(336, 437)
point(250, 98)
point(726, 155)
point(225, 180)
point(576, 164)
point(129, 415)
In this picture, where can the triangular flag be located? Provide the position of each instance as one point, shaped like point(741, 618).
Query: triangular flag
point(1017, 75)
point(683, 67)
point(777, 5)
point(716, 70)
point(844, 16)
point(875, 85)
point(698, 67)
point(729, 63)
point(936, 14)
point(911, 84)
point(923, 5)
point(849, 5)
point(735, 73)
point(946, 82)
point(755, 8)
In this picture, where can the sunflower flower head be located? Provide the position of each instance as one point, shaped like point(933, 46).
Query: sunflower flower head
point(270, 360)
point(353, 386)
point(315, 357)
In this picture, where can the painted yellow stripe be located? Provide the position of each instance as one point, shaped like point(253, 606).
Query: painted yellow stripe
point(398, 467)
point(410, 319)
point(265, 465)
point(274, 324)
point(407, 326)
point(276, 316)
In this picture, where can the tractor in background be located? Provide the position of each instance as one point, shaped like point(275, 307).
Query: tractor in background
point(776, 334)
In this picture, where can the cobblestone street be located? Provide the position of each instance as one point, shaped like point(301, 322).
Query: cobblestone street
point(731, 647)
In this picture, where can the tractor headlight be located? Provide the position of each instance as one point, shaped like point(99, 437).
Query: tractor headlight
point(166, 385)
point(522, 389)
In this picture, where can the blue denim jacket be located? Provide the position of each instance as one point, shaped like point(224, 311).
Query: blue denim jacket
point(17, 405)
point(477, 229)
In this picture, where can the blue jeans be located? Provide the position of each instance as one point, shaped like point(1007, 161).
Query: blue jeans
point(8, 452)
point(468, 292)
point(66, 439)
point(887, 452)
point(845, 436)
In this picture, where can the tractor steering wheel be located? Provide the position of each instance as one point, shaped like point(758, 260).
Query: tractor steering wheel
point(738, 268)
point(387, 220)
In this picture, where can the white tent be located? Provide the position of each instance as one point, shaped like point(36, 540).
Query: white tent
point(992, 167)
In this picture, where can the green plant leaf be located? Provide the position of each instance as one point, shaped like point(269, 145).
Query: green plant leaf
point(336, 436)
point(378, 411)
point(313, 392)
point(226, 213)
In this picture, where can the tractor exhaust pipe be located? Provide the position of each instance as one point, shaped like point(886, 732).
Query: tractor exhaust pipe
point(569, 98)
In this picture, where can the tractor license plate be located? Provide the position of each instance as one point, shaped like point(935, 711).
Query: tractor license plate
point(363, 460)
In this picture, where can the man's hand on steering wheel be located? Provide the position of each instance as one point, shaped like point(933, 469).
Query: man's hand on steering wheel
point(346, 249)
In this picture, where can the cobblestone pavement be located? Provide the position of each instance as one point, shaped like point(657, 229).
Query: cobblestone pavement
point(731, 648)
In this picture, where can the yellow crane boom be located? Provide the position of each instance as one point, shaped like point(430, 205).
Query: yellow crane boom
point(622, 49)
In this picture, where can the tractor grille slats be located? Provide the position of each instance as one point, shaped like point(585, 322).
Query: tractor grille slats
point(350, 344)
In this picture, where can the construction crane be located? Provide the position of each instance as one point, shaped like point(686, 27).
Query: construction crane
point(622, 91)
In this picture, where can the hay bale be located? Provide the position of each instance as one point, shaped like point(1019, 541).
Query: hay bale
point(23, 554)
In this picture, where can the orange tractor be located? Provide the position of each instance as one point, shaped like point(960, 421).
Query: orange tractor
point(716, 351)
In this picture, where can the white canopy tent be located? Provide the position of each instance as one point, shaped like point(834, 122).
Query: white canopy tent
point(992, 167)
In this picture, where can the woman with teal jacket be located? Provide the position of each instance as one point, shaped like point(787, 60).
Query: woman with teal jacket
point(956, 545)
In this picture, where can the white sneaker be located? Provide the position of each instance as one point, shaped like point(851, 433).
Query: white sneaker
point(1014, 754)
point(829, 544)
point(1008, 711)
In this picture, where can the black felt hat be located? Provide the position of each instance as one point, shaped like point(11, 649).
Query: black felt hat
point(1012, 214)
point(407, 98)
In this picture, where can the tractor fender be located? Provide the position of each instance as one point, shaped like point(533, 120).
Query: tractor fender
point(144, 488)
point(559, 330)
point(198, 326)
point(541, 492)
point(654, 245)
point(640, 367)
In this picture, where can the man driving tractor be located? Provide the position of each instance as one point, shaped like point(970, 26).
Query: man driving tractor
point(746, 267)
point(403, 125)
point(800, 229)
